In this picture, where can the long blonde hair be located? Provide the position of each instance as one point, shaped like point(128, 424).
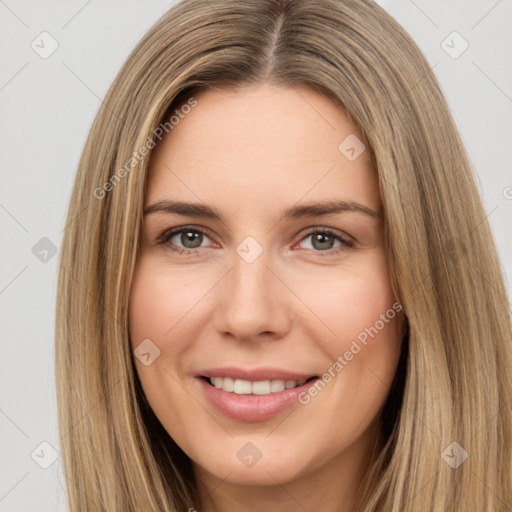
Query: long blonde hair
point(455, 377)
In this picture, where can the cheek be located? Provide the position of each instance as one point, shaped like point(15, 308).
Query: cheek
point(159, 310)
point(359, 333)
point(349, 302)
point(162, 304)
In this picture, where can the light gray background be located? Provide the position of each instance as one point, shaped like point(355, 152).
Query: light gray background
point(47, 107)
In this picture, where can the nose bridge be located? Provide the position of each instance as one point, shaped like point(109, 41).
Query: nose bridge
point(250, 275)
point(251, 302)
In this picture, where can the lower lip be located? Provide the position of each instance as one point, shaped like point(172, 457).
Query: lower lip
point(252, 407)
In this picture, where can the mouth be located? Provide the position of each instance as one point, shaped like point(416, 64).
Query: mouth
point(258, 387)
point(253, 398)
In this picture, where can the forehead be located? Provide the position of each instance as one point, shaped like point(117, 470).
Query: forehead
point(261, 144)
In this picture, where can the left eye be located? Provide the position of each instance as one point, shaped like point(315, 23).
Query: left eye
point(322, 240)
point(189, 240)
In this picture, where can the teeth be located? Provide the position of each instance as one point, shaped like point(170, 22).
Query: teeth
point(276, 386)
point(228, 384)
point(242, 387)
point(247, 387)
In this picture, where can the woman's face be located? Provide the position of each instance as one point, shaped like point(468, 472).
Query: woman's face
point(278, 275)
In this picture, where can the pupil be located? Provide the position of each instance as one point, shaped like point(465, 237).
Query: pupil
point(319, 237)
point(320, 241)
point(190, 236)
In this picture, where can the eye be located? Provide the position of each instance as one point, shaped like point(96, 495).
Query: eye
point(186, 239)
point(323, 240)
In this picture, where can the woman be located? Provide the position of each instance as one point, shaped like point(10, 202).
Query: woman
point(278, 287)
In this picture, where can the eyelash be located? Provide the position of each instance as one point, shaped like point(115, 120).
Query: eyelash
point(164, 238)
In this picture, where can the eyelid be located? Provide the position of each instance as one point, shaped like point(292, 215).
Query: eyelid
point(331, 231)
point(169, 233)
point(345, 240)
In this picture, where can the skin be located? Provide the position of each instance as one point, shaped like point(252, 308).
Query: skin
point(250, 153)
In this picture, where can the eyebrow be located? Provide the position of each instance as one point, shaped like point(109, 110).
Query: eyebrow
point(307, 210)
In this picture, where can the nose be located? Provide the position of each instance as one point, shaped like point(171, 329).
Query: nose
point(253, 302)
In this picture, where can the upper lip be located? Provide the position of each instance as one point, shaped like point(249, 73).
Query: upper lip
point(255, 374)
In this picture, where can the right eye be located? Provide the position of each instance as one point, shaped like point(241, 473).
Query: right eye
point(187, 239)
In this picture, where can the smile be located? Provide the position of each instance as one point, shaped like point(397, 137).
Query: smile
point(252, 395)
point(247, 387)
